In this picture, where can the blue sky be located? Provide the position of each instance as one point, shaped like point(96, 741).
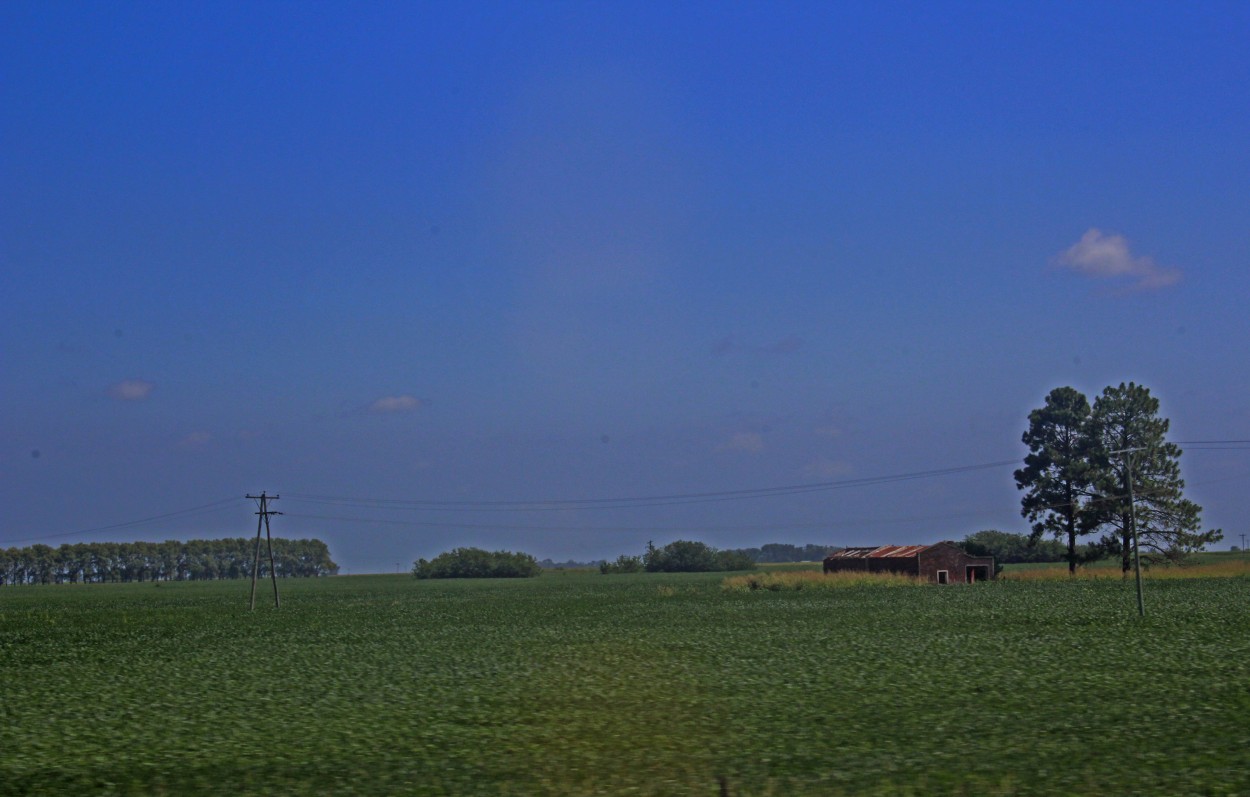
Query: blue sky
point(424, 252)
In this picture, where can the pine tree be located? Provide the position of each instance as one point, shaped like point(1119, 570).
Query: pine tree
point(1059, 472)
point(1129, 444)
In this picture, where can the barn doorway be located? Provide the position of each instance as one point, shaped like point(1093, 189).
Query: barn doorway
point(975, 573)
point(944, 576)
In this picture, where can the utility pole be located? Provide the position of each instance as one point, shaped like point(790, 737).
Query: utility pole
point(1132, 520)
point(262, 503)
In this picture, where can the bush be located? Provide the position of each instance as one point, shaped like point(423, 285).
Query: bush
point(734, 560)
point(685, 556)
point(477, 563)
point(623, 564)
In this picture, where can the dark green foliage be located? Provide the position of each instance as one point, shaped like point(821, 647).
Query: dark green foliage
point(623, 564)
point(734, 560)
point(1168, 525)
point(1060, 471)
point(568, 564)
point(1077, 476)
point(682, 556)
point(172, 560)
point(1008, 548)
point(477, 563)
point(686, 556)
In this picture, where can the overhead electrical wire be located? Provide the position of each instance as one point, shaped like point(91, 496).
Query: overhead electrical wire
point(630, 528)
point(636, 502)
point(203, 509)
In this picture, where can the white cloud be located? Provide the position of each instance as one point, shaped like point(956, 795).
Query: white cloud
point(743, 441)
point(392, 404)
point(1102, 256)
point(131, 390)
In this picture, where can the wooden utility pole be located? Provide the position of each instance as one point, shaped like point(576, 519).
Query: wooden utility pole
point(262, 502)
point(1132, 516)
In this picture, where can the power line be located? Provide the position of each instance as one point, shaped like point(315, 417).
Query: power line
point(636, 502)
point(631, 528)
point(180, 513)
point(1213, 445)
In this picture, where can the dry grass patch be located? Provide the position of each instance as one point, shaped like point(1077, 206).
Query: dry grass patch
point(811, 579)
point(1221, 569)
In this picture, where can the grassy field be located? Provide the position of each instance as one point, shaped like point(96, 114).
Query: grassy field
point(577, 683)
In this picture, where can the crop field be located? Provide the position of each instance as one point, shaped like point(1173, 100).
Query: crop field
point(576, 683)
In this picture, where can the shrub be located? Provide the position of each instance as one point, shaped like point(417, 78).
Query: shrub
point(734, 560)
point(477, 563)
point(685, 556)
point(623, 564)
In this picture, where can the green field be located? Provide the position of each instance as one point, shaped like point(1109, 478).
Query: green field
point(578, 683)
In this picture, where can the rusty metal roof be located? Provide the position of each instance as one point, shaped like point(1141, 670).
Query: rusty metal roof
point(880, 552)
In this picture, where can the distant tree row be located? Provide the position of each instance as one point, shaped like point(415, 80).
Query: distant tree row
point(1107, 469)
point(682, 556)
point(568, 564)
point(172, 560)
point(770, 553)
point(1008, 548)
point(477, 563)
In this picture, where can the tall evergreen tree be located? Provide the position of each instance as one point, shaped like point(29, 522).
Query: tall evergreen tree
point(1058, 471)
point(1168, 525)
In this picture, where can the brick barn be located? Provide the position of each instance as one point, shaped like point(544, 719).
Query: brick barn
point(940, 563)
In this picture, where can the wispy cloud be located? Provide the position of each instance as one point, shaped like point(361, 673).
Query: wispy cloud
point(131, 390)
point(393, 404)
point(1099, 255)
point(743, 441)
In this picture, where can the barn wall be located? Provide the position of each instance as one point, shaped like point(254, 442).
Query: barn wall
point(845, 565)
point(907, 565)
point(926, 564)
point(952, 559)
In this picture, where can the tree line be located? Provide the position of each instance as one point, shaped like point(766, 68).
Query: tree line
point(680, 556)
point(172, 560)
point(769, 553)
point(477, 563)
point(1107, 469)
point(1009, 548)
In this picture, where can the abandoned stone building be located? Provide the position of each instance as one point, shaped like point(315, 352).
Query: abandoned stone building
point(940, 563)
